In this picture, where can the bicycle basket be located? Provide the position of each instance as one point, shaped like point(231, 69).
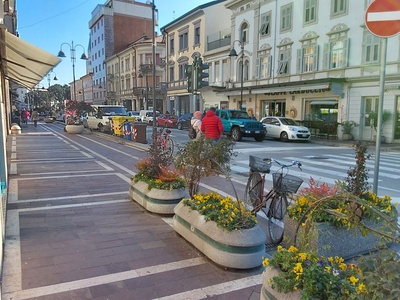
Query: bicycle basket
point(258, 164)
point(289, 184)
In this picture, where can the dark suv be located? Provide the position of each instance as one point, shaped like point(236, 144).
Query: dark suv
point(238, 124)
point(184, 121)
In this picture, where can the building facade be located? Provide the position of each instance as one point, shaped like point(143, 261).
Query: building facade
point(312, 60)
point(130, 75)
point(113, 26)
point(190, 36)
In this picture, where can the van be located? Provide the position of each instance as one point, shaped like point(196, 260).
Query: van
point(99, 117)
point(146, 116)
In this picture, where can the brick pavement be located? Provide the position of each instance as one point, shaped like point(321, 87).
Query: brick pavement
point(72, 233)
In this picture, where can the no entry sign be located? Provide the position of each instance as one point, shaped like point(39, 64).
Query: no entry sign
point(382, 17)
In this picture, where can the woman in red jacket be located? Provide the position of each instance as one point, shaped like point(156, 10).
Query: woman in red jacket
point(211, 125)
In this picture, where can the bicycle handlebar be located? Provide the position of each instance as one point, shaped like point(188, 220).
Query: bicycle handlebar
point(282, 165)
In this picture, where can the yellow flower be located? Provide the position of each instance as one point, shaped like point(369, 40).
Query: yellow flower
point(353, 280)
point(298, 269)
point(292, 249)
point(279, 249)
point(362, 288)
point(302, 256)
point(265, 262)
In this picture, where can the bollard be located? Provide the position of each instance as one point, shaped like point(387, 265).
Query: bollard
point(15, 129)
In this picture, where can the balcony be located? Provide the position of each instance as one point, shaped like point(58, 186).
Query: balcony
point(219, 39)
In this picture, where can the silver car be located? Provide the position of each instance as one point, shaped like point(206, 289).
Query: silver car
point(285, 129)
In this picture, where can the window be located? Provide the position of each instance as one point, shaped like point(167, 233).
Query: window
point(283, 61)
point(310, 11)
point(307, 56)
point(171, 73)
point(182, 73)
point(183, 40)
point(371, 48)
point(265, 24)
point(244, 33)
point(338, 7)
point(197, 35)
point(264, 64)
point(337, 54)
point(127, 64)
point(286, 17)
point(370, 104)
point(246, 70)
point(336, 51)
point(171, 45)
point(284, 56)
point(128, 82)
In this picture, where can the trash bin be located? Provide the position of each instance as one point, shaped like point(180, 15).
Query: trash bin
point(117, 124)
point(127, 126)
point(139, 132)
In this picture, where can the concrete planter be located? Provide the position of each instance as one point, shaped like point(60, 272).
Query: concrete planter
point(156, 200)
point(240, 249)
point(328, 240)
point(268, 293)
point(74, 129)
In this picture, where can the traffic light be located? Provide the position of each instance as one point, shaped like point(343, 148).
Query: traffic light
point(189, 76)
point(200, 74)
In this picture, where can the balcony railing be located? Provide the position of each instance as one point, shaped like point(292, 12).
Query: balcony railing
point(218, 39)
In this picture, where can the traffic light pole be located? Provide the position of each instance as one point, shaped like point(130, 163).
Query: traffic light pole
point(195, 76)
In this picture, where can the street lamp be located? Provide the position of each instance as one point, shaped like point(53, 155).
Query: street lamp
point(49, 79)
point(233, 53)
point(73, 58)
point(147, 90)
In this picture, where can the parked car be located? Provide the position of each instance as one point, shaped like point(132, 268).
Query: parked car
point(285, 129)
point(184, 121)
point(135, 114)
point(166, 120)
point(238, 124)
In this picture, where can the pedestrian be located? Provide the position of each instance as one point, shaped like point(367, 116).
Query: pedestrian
point(211, 125)
point(196, 123)
point(35, 117)
point(25, 116)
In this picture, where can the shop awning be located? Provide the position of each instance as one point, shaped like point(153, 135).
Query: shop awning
point(23, 62)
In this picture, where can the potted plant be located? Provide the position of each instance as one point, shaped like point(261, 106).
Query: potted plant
point(338, 220)
point(294, 274)
point(157, 186)
point(347, 127)
point(373, 119)
point(218, 226)
point(75, 112)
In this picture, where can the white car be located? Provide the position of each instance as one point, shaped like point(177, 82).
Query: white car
point(285, 129)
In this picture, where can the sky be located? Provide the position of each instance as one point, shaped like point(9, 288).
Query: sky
point(49, 23)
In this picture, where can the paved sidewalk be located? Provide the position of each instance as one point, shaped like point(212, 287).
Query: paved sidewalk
point(72, 232)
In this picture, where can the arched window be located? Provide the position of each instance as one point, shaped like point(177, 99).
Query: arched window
point(244, 33)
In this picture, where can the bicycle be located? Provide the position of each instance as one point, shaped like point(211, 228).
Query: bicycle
point(165, 142)
point(274, 203)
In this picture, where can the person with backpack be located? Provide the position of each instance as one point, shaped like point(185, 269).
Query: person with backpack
point(195, 125)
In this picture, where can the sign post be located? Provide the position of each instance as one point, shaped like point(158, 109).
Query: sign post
point(382, 19)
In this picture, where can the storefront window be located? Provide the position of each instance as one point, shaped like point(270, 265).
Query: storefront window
point(321, 110)
point(273, 108)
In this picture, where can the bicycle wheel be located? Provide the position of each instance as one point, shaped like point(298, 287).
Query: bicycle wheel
point(169, 147)
point(254, 191)
point(276, 212)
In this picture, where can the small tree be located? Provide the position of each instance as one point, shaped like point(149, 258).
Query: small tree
point(202, 158)
point(357, 177)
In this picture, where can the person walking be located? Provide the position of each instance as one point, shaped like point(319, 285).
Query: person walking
point(211, 125)
point(35, 117)
point(25, 116)
point(196, 123)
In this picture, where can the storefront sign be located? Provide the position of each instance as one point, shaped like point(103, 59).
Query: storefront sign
point(298, 92)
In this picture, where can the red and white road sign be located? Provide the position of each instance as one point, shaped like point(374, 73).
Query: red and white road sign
point(382, 17)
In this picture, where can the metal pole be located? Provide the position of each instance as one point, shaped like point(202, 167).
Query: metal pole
point(380, 110)
point(147, 93)
point(241, 78)
point(153, 7)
